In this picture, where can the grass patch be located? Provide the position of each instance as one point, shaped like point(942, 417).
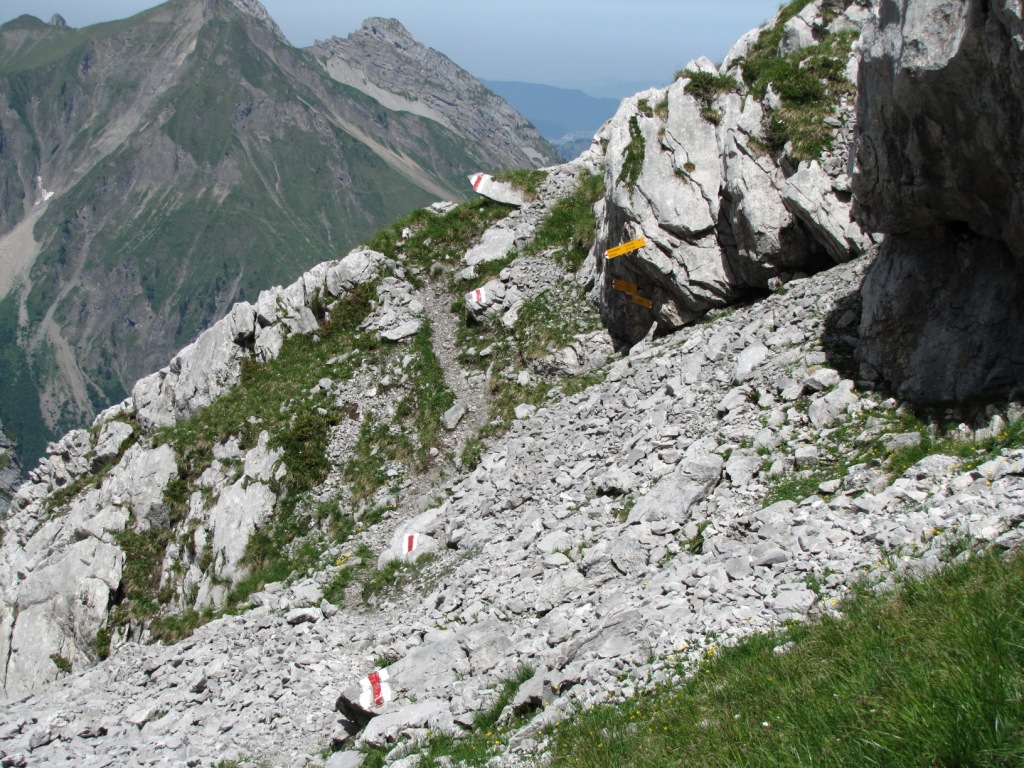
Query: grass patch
point(544, 325)
point(438, 238)
point(140, 577)
point(867, 433)
point(930, 674)
point(472, 452)
point(394, 575)
point(633, 159)
point(797, 486)
point(706, 88)
point(356, 567)
point(175, 628)
point(485, 270)
point(661, 108)
point(571, 224)
point(528, 181)
point(809, 83)
point(973, 452)
point(102, 643)
point(276, 397)
point(416, 427)
point(270, 395)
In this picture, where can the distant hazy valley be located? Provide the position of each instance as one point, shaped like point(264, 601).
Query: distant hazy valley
point(567, 118)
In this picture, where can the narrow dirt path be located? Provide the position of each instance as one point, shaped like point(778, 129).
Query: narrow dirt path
point(444, 326)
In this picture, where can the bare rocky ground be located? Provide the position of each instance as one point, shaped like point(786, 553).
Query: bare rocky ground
point(604, 532)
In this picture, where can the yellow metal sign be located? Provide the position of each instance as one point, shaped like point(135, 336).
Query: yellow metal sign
point(632, 245)
point(631, 290)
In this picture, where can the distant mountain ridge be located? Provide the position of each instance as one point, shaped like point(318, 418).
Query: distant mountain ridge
point(385, 62)
point(155, 170)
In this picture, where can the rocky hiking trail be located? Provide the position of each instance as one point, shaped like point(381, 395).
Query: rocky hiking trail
point(468, 398)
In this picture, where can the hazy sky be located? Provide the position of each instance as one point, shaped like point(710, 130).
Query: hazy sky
point(568, 43)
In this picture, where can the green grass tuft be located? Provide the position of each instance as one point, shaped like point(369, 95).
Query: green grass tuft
point(809, 83)
point(633, 160)
point(706, 87)
point(528, 181)
point(395, 574)
point(438, 238)
point(570, 225)
point(931, 674)
point(837, 459)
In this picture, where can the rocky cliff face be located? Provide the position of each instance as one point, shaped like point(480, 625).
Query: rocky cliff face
point(940, 131)
point(156, 170)
point(10, 472)
point(385, 62)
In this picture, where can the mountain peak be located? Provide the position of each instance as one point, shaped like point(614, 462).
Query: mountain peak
point(384, 61)
point(389, 28)
point(256, 9)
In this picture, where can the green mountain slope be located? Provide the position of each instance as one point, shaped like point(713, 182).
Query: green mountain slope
point(193, 157)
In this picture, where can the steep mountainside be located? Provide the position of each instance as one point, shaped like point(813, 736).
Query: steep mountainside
point(155, 170)
point(416, 502)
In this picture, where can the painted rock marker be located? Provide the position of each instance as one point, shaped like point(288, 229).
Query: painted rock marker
point(479, 296)
point(500, 191)
point(376, 692)
point(412, 540)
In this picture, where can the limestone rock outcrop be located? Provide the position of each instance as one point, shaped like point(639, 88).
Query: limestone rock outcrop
point(63, 550)
point(721, 216)
point(940, 141)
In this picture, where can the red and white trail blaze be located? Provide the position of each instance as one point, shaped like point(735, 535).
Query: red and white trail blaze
point(375, 689)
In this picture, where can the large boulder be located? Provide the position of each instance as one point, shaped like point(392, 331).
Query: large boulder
point(941, 139)
point(59, 609)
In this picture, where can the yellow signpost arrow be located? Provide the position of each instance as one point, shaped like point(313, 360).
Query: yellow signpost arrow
point(632, 245)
